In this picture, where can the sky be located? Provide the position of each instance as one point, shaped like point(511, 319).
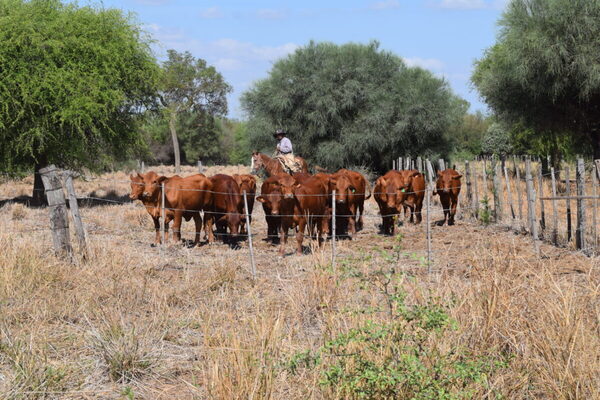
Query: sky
point(243, 38)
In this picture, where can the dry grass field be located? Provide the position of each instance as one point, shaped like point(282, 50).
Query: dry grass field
point(491, 321)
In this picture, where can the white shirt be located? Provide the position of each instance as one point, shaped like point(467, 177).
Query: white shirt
point(285, 145)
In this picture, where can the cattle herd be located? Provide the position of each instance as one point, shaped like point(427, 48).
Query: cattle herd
point(300, 202)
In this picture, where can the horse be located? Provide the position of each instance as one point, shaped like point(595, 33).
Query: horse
point(272, 165)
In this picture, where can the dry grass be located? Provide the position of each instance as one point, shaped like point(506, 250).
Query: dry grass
point(191, 323)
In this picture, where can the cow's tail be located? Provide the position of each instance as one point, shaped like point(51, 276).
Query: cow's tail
point(368, 187)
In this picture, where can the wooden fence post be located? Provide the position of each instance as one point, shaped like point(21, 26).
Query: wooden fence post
point(143, 167)
point(595, 174)
point(441, 164)
point(162, 217)
point(428, 225)
point(568, 194)
point(540, 195)
point(497, 191)
point(510, 196)
point(554, 211)
point(531, 206)
point(333, 223)
point(249, 230)
point(580, 233)
point(200, 167)
point(518, 187)
point(74, 208)
point(407, 163)
point(399, 164)
point(469, 188)
point(394, 164)
point(484, 176)
point(475, 192)
point(429, 172)
point(57, 207)
point(420, 164)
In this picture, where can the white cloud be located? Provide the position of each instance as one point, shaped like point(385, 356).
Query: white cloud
point(211, 13)
point(463, 4)
point(385, 5)
point(270, 13)
point(432, 64)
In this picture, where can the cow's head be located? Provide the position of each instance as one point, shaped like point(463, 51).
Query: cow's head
point(256, 163)
point(281, 193)
point(447, 180)
point(343, 188)
point(405, 188)
point(137, 186)
point(152, 185)
point(379, 189)
point(392, 190)
point(246, 183)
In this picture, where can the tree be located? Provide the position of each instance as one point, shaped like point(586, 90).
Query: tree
point(72, 83)
point(467, 135)
point(543, 73)
point(352, 104)
point(192, 88)
point(497, 141)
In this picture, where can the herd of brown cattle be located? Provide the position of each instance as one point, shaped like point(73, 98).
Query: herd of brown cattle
point(300, 201)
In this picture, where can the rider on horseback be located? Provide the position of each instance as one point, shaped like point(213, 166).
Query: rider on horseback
point(285, 153)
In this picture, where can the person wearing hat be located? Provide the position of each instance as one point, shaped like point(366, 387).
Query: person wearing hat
point(285, 152)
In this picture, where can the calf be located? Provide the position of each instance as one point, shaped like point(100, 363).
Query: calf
point(411, 193)
point(138, 182)
point(225, 207)
point(246, 183)
point(311, 209)
point(448, 188)
point(277, 198)
point(385, 192)
point(350, 195)
point(184, 198)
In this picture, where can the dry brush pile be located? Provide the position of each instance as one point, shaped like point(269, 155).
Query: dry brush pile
point(491, 321)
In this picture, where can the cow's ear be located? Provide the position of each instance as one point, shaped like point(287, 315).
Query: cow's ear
point(261, 199)
point(140, 176)
point(131, 176)
point(161, 179)
point(381, 181)
point(457, 176)
point(416, 173)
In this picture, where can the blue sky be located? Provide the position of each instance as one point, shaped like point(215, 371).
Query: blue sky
point(243, 38)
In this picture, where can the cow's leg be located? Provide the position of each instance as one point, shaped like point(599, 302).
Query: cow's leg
point(352, 220)
point(198, 224)
point(177, 226)
point(283, 235)
point(454, 202)
point(300, 235)
point(418, 207)
point(209, 219)
point(361, 211)
point(445, 207)
point(156, 221)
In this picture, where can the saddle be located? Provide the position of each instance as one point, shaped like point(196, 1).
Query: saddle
point(289, 163)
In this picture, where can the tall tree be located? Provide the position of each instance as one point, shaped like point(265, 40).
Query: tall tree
point(191, 87)
point(544, 71)
point(72, 82)
point(352, 104)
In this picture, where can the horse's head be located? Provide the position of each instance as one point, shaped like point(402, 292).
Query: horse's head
point(256, 162)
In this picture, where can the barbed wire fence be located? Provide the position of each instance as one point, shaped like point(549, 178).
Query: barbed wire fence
point(474, 205)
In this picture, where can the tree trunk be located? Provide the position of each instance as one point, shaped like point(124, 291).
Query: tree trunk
point(38, 197)
point(172, 123)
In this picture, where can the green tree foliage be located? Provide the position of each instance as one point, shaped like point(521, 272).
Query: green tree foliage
point(467, 135)
point(72, 82)
point(497, 140)
point(544, 72)
point(197, 92)
point(352, 104)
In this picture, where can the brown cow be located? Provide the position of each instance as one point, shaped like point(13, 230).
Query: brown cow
point(246, 183)
point(411, 193)
point(152, 205)
point(225, 207)
point(311, 209)
point(350, 195)
point(277, 198)
point(448, 188)
point(385, 193)
point(184, 198)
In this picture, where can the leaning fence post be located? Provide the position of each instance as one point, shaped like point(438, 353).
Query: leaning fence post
point(580, 233)
point(333, 230)
point(554, 211)
point(510, 196)
point(475, 192)
point(568, 195)
point(540, 195)
point(497, 191)
point(531, 206)
point(469, 187)
point(518, 185)
point(162, 217)
point(249, 230)
point(59, 221)
point(484, 176)
point(74, 208)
